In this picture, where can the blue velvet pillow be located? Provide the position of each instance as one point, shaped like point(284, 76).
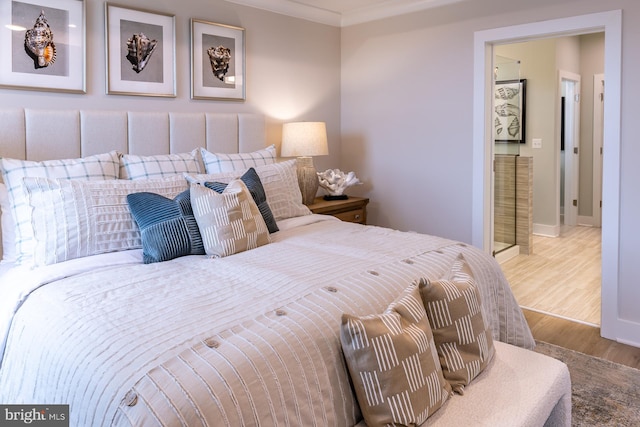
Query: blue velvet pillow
point(253, 183)
point(167, 227)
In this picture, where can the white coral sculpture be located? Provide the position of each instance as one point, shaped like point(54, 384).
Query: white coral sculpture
point(335, 181)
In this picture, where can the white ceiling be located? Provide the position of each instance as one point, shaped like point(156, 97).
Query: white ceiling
point(342, 13)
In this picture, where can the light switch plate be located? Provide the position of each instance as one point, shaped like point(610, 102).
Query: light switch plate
point(536, 143)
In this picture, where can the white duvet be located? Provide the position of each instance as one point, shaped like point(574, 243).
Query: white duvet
point(249, 339)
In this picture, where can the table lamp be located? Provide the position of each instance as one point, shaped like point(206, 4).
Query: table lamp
point(303, 140)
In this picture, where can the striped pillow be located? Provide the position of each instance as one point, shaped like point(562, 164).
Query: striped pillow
point(221, 162)
point(229, 222)
point(463, 337)
point(159, 166)
point(74, 218)
point(167, 227)
point(393, 363)
point(253, 183)
point(99, 167)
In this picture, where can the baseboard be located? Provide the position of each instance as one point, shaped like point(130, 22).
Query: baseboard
point(507, 254)
point(587, 221)
point(546, 230)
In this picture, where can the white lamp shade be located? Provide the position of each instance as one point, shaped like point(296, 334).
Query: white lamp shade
point(304, 139)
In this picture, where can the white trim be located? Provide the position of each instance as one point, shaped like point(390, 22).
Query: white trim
point(379, 10)
point(587, 221)
point(597, 164)
point(546, 230)
point(611, 23)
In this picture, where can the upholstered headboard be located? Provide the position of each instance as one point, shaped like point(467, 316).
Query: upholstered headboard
point(31, 134)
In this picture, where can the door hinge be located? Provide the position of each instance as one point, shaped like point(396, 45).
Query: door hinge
point(600, 204)
point(602, 97)
point(575, 150)
point(575, 202)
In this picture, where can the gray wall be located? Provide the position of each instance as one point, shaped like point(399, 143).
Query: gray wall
point(407, 119)
point(292, 70)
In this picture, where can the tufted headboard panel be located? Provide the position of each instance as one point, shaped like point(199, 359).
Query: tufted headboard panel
point(31, 134)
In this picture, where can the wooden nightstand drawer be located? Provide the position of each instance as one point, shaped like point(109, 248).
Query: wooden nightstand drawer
point(353, 209)
point(357, 215)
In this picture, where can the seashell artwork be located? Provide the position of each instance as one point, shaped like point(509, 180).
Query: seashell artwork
point(514, 127)
point(219, 57)
point(335, 181)
point(506, 110)
point(507, 93)
point(498, 126)
point(38, 42)
point(140, 48)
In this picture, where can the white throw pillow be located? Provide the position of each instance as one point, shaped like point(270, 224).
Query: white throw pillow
point(74, 218)
point(99, 167)
point(221, 162)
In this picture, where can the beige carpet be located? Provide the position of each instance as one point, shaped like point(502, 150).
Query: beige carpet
point(603, 393)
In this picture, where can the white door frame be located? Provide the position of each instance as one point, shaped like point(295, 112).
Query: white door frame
point(611, 23)
point(571, 158)
point(598, 107)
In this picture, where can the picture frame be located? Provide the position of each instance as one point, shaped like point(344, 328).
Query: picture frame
point(141, 52)
point(510, 117)
point(43, 44)
point(217, 61)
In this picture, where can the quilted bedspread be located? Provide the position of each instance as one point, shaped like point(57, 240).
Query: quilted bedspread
point(250, 339)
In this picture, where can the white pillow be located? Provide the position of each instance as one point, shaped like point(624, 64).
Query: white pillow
point(220, 162)
point(8, 227)
point(229, 222)
point(99, 167)
point(74, 218)
point(159, 166)
point(280, 182)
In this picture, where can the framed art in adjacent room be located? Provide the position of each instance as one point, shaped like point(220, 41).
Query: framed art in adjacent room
point(141, 51)
point(217, 61)
point(510, 111)
point(42, 45)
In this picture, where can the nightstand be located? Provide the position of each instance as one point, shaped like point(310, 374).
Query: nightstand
point(353, 209)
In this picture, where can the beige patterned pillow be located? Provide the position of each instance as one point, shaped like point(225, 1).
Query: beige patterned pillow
point(463, 337)
point(393, 363)
point(229, 222)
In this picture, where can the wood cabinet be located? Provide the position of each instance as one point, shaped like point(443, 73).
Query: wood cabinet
point(353, 209)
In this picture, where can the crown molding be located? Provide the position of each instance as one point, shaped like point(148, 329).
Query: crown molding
point(358, 16)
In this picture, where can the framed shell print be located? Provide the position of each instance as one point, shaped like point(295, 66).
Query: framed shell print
point(217, 61)
point(140, 48)
point(42, 45)
point(510, 116)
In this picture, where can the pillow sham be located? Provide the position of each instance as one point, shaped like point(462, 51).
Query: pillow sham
point(253, 183)
point(168, 228)
point(74, 219)
point(393, 363)
point(230, 222)
point(8, 227)
point(159, 166)
point(462, 336)
point(98, 167)
point(221, 162)
point(280, 182)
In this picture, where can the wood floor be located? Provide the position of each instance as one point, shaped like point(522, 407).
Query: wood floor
point(562, 276)
point(580, 337)
point(559, 289)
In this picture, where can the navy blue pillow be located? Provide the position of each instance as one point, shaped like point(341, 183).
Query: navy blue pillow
point(167, 227)
point(253, 183)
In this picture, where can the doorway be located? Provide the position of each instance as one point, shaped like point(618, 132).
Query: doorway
point(484, 42)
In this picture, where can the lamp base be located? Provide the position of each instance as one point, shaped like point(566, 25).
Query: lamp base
point(307, 179)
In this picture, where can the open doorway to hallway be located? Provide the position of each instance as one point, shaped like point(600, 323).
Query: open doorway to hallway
point(562, 274)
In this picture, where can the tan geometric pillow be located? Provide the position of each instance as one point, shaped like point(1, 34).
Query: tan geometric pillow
point(462, 336)
point(229, 222)
point(393, 363)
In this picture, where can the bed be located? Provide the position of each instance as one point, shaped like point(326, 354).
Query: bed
point(246, 337)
